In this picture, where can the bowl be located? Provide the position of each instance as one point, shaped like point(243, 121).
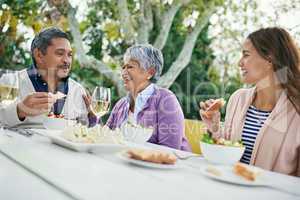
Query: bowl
point(57, 123)
point(221, 154)
point(136, 133)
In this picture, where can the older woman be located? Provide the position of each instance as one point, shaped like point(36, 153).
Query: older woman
point(146, 103)
point(265, 117)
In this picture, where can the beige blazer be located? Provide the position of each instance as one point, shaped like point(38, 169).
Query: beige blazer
point(277, 146)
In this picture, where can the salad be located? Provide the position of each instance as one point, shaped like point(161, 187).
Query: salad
point(207, 138)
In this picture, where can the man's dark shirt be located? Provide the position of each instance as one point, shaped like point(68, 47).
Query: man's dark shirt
point(41, 86)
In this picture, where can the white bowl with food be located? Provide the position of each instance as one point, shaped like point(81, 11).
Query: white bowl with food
point(136, 133)
point(226, 153)
point(57, 122)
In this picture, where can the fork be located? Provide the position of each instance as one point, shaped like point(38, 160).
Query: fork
point(185, 157)
point(24, 132)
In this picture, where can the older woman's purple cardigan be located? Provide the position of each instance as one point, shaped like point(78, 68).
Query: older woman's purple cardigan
point(163, 112)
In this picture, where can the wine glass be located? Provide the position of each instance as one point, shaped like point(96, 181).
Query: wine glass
point(9, 86)
point(101, 100)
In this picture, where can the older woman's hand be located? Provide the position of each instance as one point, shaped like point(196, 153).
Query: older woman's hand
point(88, 103)
point(211, 117)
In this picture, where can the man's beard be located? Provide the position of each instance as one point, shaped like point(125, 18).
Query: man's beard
point(62, 71)
point(56, 73)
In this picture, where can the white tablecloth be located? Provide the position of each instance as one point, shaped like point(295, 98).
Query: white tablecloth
point(105, 176)
point(17, 183)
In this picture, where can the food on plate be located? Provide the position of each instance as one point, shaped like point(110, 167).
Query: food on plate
point(220, 141)
point(154, 156)
point(52, 115)
point(213, 171)
point(59, 95)
point(245, 171)
point(217, 105)
point(136, 133)
point(97, 134)
point(57, 122)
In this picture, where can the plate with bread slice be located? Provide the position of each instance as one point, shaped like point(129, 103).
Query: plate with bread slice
point(240, 174)
point(150, 158)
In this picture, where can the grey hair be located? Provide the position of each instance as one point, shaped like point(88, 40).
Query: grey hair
point(43, 39)
point(147, 56)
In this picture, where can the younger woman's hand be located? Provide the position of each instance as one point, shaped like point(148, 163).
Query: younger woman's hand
point(211, 117)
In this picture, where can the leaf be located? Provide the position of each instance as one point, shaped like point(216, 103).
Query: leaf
point(112, 31)
point(37, 27)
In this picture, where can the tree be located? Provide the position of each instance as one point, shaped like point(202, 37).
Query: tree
point(194, 82)
point(232, 23)
point(133, 23)
point(213, 31)
point(12, 52)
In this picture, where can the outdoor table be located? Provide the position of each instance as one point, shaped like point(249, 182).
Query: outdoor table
point(19, 183)
point(34, 168)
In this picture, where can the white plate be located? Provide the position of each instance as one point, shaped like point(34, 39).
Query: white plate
point(30, 126)
point(125, 157)
point(227, 175)
point(56, 138)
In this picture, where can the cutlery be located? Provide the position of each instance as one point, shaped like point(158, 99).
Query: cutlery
point(24, 132)
point(185, 157)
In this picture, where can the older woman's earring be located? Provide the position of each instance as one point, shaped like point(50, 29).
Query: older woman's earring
point(149, 77)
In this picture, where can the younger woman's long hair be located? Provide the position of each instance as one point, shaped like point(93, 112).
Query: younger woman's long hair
point(276, 45)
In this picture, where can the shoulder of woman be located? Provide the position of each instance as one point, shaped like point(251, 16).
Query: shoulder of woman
point(163, 92)
point(121, 102)
point(242, 93)
point(167, 99)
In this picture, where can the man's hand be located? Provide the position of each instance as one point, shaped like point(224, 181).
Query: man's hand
point(35, 104)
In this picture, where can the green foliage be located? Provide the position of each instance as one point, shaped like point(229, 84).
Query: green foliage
point(13, 55)
point(22, 8)
point(193, 84)
point(197, 82)
point(94, 41)
point(207, 139)
point(103, 10)
point(90, 78)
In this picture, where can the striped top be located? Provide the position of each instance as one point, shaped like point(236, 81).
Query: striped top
point(255, 119)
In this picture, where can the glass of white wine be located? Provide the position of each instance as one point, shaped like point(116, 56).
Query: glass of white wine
point(101, 98)
point(9, 86)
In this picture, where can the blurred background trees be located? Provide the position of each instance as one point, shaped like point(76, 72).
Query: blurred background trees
point(200, 39)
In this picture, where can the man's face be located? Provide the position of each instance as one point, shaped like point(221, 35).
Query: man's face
point(57, 60)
